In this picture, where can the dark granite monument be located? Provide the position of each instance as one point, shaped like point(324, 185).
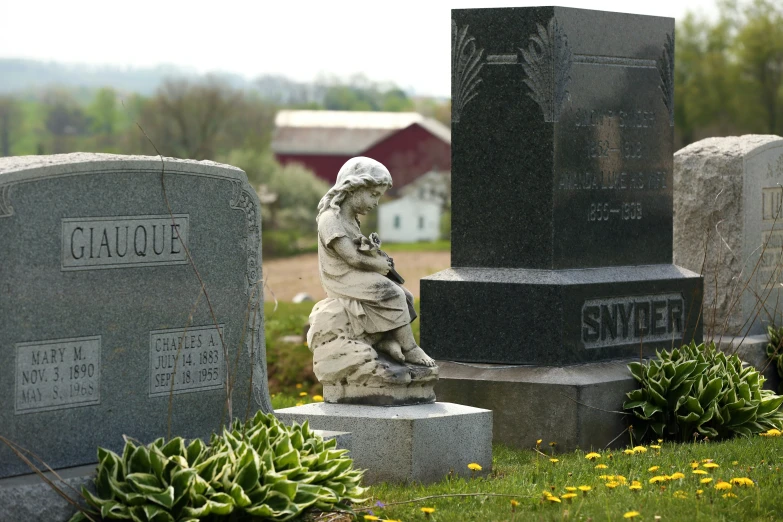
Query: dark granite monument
point(103, 319)
point(562, 127)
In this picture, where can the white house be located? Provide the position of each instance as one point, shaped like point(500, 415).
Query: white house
point(409, 219)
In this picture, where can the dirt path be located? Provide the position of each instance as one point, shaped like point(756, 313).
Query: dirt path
point(287, 277)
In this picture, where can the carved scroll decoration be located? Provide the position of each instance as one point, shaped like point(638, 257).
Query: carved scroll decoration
point(465, 67)
point(548, 69)
point(6, 209)
point(242, 199)
point(666, 70)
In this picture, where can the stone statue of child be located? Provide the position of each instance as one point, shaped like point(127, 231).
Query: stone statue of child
point(354, 273)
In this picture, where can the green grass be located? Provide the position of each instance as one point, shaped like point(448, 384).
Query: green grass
point(525, 475)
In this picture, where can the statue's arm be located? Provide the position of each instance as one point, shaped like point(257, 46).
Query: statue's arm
point(347, 250)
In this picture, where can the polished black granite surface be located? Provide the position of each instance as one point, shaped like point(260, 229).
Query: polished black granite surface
point(558, 317)
point(562, 134)
point(561, 138)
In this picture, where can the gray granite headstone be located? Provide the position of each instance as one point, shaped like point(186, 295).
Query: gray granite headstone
point(103, 324)
point(727, 206)
point(562, 128)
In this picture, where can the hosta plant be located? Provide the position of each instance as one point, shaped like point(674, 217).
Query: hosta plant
point(258, 470)
point(700, 391)
point(775, 350)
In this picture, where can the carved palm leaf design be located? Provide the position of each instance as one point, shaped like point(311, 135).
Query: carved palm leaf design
point(666, 70)
point(465, 67)
point(548, 69)
point(6, 209)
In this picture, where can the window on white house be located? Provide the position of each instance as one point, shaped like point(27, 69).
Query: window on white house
point(396, 221)
point(421, 222)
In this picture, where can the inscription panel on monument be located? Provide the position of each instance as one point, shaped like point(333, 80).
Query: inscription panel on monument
point(613, 150)
point(619, 321)
point(57, 374)
point(123, 241)
point(186, 360)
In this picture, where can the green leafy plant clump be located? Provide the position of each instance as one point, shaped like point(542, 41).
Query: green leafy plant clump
point(775, 349)
point(261, 469)
point(700, 391)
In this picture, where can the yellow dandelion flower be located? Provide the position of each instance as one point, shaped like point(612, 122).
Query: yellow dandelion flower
point(722, 485)
point(514, 503)
point(371, 517)
point(570, 488)
point(303, 394)
point(705, 480)
point(299, 403)
point(711, 465)
point(568, 496)
point(660, 441)
point(699, 472)
point(699, 491)
point(694, 465)
point(554, 461)
point(584, 489)
point(601, 466)
point(318, 398)
point(628, 452)
point(635, 487)
point(538, 442)
point(473, 466)
point(774, 432)
point(677, 476)
point(592, 456)
point(636, 483)
point(553, 444)
point(631, 514)
point(658, 478)
point(655, 446)
point(742, 481)
point(653, 468)
point(681, 495)
point(621, 479)
point(606, 477)
point(639, 449)
point(734, 463)
point(612, 485)
point(553, 498)
point(299, 386)
point(729, 495)
point(428, 510)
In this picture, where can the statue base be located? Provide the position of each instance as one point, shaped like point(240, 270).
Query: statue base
point(425, 443)
point(388, 383)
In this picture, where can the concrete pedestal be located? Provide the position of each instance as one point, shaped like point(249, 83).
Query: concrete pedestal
point(571, 405)
point(422, 443)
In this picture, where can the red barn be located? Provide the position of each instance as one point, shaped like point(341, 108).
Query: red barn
point(407, 143)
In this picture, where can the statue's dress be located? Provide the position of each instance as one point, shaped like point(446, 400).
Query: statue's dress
point(373, 303)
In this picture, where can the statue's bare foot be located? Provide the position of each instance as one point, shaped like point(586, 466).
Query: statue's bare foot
point(417, 356)
point(391, 347)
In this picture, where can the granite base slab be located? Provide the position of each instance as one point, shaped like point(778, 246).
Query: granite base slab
point(422, 443)
point(753, 350)
point(573, 405)
point(28, 497)
point(558, 317)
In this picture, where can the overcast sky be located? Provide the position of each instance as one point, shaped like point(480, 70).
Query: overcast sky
point(406, 42)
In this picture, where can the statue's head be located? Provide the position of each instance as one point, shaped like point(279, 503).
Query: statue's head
point(363, 172)
point(356, 173)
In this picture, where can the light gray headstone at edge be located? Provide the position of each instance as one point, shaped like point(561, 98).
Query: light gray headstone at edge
point(88, 337)
point(727, 192)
